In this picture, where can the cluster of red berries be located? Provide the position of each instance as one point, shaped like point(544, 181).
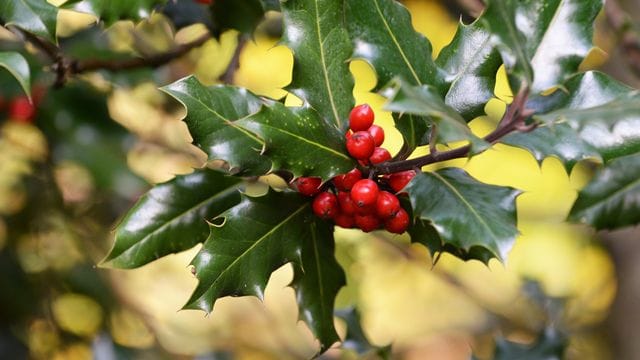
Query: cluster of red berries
point(353, 201)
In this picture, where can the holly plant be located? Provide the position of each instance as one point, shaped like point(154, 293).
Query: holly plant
point(331, 152)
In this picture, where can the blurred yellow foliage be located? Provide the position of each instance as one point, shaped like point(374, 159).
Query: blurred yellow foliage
point(77, 314)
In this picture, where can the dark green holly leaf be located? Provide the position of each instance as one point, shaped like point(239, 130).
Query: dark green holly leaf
point(469, 64)
point(542, 42)
point(549, 345)
point(256, 237)
point(111, 11)
point(424, 233)
point(464, 211)
point(35, 16)
point(241, 15)
point(593, 116)
point(355, 339)
point(612, 199)
point(17, 65)
point(415, 130)
point(298, 141)
point(212, 114)
point(559, 141)
point(171, 217)
point(623, 108)
point(382, 35)
point(317, 281)
point(425, 101)
point(314, 30)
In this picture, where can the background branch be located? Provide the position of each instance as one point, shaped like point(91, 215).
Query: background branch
point(629, 38)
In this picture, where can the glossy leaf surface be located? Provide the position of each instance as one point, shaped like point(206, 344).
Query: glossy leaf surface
point(212, 114)
point(594, 117)
point(317, 281)
point(382, 35)
point(298, 141)
point(612, 199)
point(172, 217)
point(469, 65)
point(18, 67)
point(256, 237)
point(542, 42)
point(464, 211)
point(426, 102)
point(314, 30)
point(35, 16)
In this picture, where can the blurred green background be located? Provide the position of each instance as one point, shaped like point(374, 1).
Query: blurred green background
point(99, 142)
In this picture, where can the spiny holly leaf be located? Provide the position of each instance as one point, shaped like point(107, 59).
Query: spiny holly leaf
point(212, 114)
point(414, 129)
point(612, 199)
point(317, 281)
point(17, 65)
point(542, 42)
point(425, 101)
point(171, 217)
point(257, 237)
point(242, 15)
point(469, 64)
point(573, 128)
point(559, 141)
point(35, 16)
point(424, 233)
point(464, 211)
point(298, 141)
point(111, 11)
point(314, 30)
point(382, 35)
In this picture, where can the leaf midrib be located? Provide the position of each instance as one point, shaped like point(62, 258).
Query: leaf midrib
point(325, 71)
point(396, 43)
point(256, 243)
point(200, 204)
point(328, 149)
point(466, 203)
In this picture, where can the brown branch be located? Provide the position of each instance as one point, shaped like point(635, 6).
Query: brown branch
point(234, 64)
point(513, 120)
point(65, 67)
point(78, 67)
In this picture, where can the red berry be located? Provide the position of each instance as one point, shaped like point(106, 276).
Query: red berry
point(377, 133)
point(366, 210)
point(325, 205)
point(344, 220)
point(360, 145)
point(361, 117)
point(367, 223)
point(387, 205)
point(364, 193)
point(20, 109)
point(398, 223)
point(308, 186)
point(345, 181)
point(347, 206)
point(399, 180)
point(379, 155)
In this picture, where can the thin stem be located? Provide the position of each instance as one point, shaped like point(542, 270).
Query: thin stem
point(513, 120)
point(228, 76)
point(78, 67)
